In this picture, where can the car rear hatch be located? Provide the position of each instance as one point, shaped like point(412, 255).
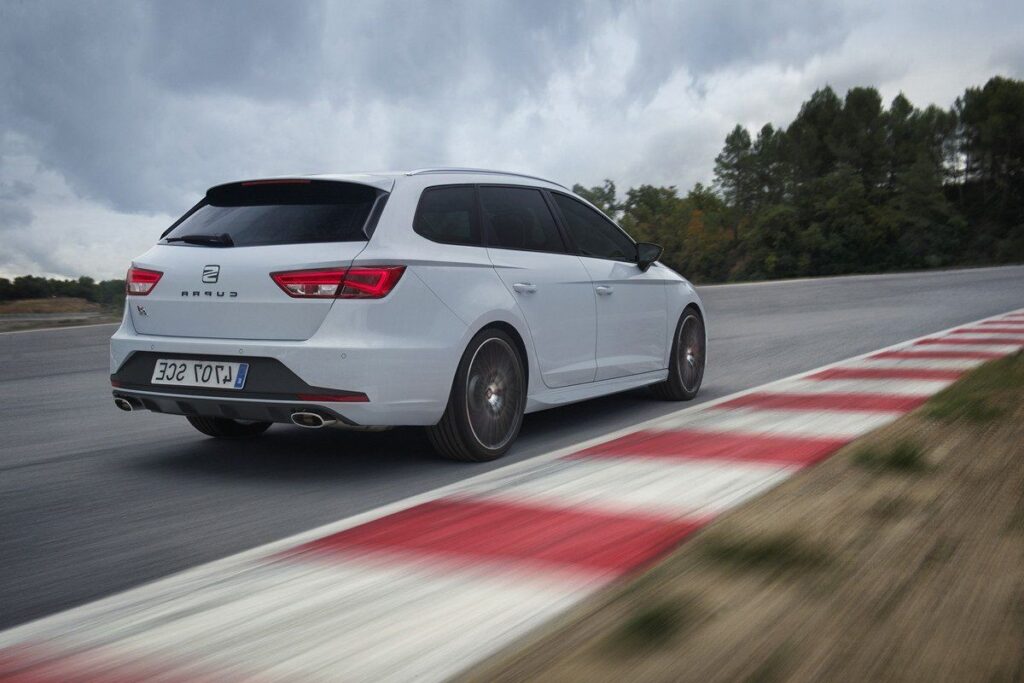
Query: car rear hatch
point(216, 262)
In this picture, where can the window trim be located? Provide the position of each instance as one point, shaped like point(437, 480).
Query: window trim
point(565, 226)
point(567, 248)
point(476, 215)
point(379, 204)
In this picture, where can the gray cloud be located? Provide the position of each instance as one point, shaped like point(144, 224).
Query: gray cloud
point(129, 110)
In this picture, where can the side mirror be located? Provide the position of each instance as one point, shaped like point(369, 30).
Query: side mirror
point(646, 254)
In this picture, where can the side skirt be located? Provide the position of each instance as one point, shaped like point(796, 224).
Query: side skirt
point(549, 398)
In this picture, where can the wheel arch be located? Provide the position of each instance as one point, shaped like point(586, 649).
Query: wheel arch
point(679, 298)
point(512, 332)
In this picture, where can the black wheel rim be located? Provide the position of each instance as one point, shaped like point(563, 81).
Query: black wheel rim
point(690, 348)
point(494, 391)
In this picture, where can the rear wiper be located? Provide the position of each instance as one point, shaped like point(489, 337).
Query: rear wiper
point(221, 240)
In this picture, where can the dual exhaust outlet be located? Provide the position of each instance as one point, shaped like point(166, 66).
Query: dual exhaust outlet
point(310, 420)
point(127, 404)
point(301, 418)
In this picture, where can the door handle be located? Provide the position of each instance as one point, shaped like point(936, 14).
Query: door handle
point(604, 290)
point(525, 287)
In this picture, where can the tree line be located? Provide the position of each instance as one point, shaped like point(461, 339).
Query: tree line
point(109, 292)
point(849, 187)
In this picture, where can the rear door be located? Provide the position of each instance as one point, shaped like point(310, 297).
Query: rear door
point(550, 285)
point(216, 262)
point(631, 304)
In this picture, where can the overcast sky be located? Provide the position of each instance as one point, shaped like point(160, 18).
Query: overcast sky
point(115, 117)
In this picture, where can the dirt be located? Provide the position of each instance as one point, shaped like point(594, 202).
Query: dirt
point(31, 314)
point(54, 305)
point(899, 558)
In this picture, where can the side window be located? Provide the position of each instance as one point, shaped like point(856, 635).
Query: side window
point(519, 218)
point(594, 234)
point(448, 215)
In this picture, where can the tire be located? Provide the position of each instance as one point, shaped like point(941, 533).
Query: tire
point(223, 428)
point(486, 403)
point(686, 364)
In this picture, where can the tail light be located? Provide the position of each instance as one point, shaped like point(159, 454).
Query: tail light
point(311, 284)
point(369, 282)
point(140, 281)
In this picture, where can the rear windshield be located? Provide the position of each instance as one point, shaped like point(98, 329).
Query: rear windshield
point(295, 212)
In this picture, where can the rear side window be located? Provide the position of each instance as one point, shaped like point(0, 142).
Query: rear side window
point(448, 215)
point(594, 234)
point(292, 212)
point(519, 218)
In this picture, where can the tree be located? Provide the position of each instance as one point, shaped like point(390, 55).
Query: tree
point(736, 176)
point(810, 138)
point(601, 196)
point(991, 121)
point(859, 136)
point(930, 231)
point(769, 166)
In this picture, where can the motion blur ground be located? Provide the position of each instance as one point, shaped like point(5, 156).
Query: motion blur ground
point(897, 559)
point(428, 586)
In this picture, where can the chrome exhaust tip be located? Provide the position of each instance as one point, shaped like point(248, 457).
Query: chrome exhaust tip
point(311, 420)
point(124, 404)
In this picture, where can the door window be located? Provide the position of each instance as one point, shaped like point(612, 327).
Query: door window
point(519, 218)
point(594, 234)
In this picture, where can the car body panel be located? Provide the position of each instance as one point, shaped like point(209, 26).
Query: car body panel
point(556, 297)
point(632, 317)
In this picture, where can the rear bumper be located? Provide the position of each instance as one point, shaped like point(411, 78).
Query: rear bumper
point(271, 394)
point(257, 410)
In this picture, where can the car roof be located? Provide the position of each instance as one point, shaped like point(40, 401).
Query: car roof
point(386, 179)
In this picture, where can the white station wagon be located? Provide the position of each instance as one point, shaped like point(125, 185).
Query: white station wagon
point(455, 299)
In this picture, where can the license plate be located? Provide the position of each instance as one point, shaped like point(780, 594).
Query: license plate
point(200, 373)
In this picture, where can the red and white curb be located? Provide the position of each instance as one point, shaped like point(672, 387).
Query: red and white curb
point(422, 589)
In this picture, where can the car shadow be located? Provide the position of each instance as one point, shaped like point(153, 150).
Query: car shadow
point(288, 453)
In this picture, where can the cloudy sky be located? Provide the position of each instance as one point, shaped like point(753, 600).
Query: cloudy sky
point(116, 116)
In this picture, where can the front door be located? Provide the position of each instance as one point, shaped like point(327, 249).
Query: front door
point(632, 315)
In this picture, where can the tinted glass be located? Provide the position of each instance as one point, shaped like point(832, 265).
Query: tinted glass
point(519, 218)
point(594, 234)
point(282, 214)
point(448, 214)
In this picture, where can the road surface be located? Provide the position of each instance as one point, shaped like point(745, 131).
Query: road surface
point(94, 501)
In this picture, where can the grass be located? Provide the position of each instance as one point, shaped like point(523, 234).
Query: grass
point(650, 627)
point(981, 396)
point(779, 552)
point(890, 508)
point(902, 456)
point(54, 305)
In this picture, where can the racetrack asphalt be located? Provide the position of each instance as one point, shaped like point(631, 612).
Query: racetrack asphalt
point(94, 501)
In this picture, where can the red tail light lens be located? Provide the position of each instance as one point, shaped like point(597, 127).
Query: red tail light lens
point(311, 284)
point(140, 281)
point(370, 282)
